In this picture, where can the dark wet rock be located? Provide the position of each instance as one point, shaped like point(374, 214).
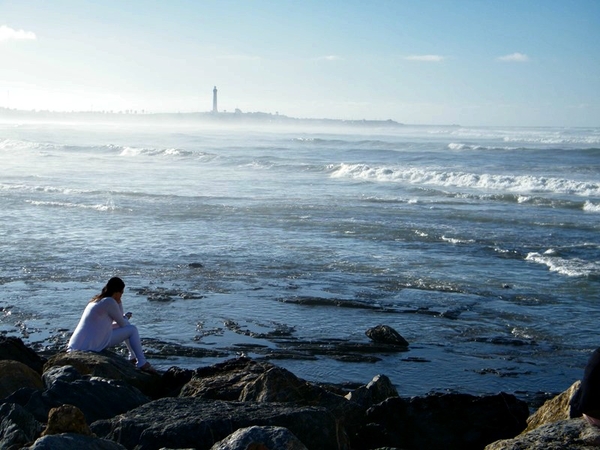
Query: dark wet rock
point(156, 348)
point(107, 364)
point(442, 421)
point(334, 302)
point(18, 427)
point(71, 441)
point(13, 349)
point(572, 434)
point(503, 372)
point(199, 423)
point(416, 359)
point(279, 330)
point(260, 438)
point(386, 335)
point(380, 388)
point(173, 380)
point(195, 265)
point(15, 375)
point(167, 295)
point(66, 419)
point(503, 340)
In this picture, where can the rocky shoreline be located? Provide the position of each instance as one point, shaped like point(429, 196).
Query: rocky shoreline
point(100, 401)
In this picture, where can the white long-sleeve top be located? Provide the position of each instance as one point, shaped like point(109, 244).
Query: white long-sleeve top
point(95, 327)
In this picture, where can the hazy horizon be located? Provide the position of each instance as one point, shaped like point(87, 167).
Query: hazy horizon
point(478, 63)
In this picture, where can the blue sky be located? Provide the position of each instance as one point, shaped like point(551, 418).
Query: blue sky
point(472, 62)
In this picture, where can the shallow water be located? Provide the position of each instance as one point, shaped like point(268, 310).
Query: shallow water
point(479, 245)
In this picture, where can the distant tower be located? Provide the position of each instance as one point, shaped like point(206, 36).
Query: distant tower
point(215, 110)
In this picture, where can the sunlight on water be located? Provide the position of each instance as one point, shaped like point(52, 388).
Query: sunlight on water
point(478, 245)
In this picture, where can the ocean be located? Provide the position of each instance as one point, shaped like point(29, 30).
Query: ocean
point(479, 245)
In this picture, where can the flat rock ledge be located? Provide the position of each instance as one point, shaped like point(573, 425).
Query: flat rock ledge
point(100, 401)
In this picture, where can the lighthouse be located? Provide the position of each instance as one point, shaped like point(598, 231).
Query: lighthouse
point(214, 110)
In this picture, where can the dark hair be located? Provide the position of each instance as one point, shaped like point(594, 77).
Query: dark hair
point(115, 284)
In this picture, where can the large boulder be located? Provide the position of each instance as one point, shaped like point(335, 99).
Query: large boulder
point(380, 388)
point(18, 427)
point(442, 421)
point(15, 375)
point(553, 410)
point(13, 349)
point(224, 381)
point(282, 386)
point(98, 398)
point(199, 423)
point(260, 438)
point(107, 364)
point(385, 334)
point(572, 434)
point(71, 441)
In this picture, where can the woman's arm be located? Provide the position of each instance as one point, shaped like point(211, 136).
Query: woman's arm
point(115, 312)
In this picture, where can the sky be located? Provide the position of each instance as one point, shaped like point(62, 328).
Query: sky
point(468, 62)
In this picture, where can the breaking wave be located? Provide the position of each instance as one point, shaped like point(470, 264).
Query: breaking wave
point(526, 183)
point(109, 206)
point(570, 267)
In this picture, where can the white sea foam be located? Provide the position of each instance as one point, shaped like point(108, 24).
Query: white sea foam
point(456, 240)
point(486, 181)
point(570, 267)
point(109, 206)
point(136, 151)
point(591, 207)
point(459, 146)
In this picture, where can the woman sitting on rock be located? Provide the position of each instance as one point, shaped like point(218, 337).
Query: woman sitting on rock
point(103, 325)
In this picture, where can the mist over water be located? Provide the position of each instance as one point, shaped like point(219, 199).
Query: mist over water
point(479, 245)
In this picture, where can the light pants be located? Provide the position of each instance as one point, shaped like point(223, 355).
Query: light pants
point(130, 335)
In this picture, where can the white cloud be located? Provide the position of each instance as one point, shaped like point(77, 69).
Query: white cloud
point(425, 58)
point(514, 57)
point(240, 57)
point(329, 58)
point(10, 34)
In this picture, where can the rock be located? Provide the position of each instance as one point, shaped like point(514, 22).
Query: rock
point(260, 438)
point(386, 335)
point(70, 441)
point(553, 410)
point(246, 380)
point(15, 375)
point(107, 364)
point(379, 389)
point(62, 373)
point(224, 381)
point(17, 426)
point(199, 423)
point(173, 381)
point(97, 398)
point(442, 421)
point(282, 386)
point(66, 419)
point(572, 434)
point(13, 349)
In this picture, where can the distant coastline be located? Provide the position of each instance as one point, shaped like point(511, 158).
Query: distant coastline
point(226, 118)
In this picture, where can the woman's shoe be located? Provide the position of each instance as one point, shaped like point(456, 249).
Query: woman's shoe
point(149, 369)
